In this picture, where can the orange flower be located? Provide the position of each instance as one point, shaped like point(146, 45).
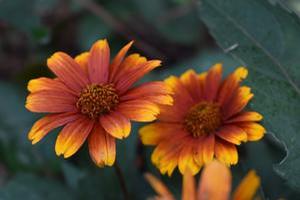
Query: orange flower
point(207, 120)
point(215, 183)
point(94, 99)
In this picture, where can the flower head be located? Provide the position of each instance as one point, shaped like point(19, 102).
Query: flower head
point(215, 183)
point(94, 99)
point(207, 120)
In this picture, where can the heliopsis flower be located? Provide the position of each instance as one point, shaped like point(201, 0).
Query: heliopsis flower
point(207, 120)
point(94, 99)
point(215, 183)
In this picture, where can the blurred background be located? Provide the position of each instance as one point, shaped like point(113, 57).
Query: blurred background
point(170, 30)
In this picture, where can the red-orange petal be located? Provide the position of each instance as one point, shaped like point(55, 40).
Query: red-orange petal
point(98, 64)
point(215, 182)
point(212, 82)
point(231, 84)
point(245, 117)
point(68, 71)
point(182, 102)
point(46, 124)
point(116, 124)
point(188, 186)
point(48, 84)
point(238, 102)
point(51, 101)
point(72, 136)
point(254, 130)
point(126, 82)
point(83, 59)
point(226, 152)
point(156, 92)
point(198, 152)
point(102, 147)
point(208, 146)
point(139, 110)
point(118, 59)
point(192, 83)
point(232, 134)
point(130, 63)
point(154, 133)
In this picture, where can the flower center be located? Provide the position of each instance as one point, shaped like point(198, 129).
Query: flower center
point(97, 99)
point(203, 118)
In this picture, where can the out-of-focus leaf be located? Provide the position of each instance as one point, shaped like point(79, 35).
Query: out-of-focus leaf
point(72, 174)
point(31, 187)
point(15, 122)
point(91, 29)
point(26, 16)
point(185, 28)
point(175, 20)
point(266, 39)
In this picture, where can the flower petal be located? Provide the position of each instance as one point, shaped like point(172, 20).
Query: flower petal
point(208, 146)
point(248, 187)
point(132, 76)
point(139, 110)
point(188, 187)
point(169, 164)
point(181, 104)
point(98, 64)
point(51, 101)
point(215, 182)
point(130, 63)
point(154, 133)
point(226, 152)
point(159, 187)
point(116, 124)
point(231, 84)
point(156, 92)
point(186, 160)
point(102, 147)
point(212, 82)
point(83, 59)
point(48, 84)
point(72, 136)
point(238, 102)
point(117, 61)
point(165, 155)
point(254, 130)
point(68, 71)
point(192, 83)
point(245, 117)
point(232, 134)
point(46, 124)
point(198, 152)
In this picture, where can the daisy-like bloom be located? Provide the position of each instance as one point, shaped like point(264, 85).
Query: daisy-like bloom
point(207, 120)
point(94, 99)
point(215, 183)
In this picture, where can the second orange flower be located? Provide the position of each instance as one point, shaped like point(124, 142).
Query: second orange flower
point(208, 119)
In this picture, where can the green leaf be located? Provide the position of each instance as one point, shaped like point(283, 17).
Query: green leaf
point(16, 150)
point(266, 39)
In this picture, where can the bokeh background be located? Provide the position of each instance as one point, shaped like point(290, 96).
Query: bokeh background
point(170, 30)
